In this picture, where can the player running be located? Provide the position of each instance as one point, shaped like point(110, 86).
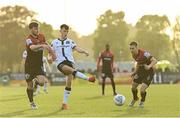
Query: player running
point(63, 48)
point(34, 74)
point(143, 73)
point(45, 62)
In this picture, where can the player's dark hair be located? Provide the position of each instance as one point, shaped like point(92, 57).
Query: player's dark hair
point(107, 45)
point(133, 43)
point(33, 24)
point(64, 26)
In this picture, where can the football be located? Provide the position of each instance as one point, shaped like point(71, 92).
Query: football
point(119, 99)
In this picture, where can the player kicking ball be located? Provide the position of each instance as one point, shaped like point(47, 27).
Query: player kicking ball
point(143, 73)
point(63, 48)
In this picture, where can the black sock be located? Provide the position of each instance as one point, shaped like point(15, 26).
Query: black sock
point(103, 85)
point(67, 88)
point(30, 94)
point(143, 96)
point(113, 86)
point(134, 92)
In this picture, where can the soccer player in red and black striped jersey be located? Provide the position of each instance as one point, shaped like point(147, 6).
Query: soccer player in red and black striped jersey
point(107, 58)
point(143, 73)
point(34, 74)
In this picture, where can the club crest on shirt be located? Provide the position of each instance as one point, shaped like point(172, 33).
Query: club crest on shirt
point(67, 42)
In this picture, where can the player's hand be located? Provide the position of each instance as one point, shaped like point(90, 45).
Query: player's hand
point(147, 67)
point(54, 56)
point(44, 46)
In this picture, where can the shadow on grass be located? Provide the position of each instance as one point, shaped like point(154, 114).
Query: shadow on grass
point(59, 113)
point(94, 97)
point(45, 115)
point(13, 98)
point(13, 114)
point(133, 112)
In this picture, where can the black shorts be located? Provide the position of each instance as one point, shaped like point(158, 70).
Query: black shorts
point(107, 73)
point(143, 77)
point(31, 73)
point(67, 63)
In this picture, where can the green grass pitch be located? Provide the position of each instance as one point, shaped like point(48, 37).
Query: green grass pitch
point(86, 101)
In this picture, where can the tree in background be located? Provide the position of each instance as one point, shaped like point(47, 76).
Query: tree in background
point(111, 29)
point(13, 30)
point(151, 36)
point(176, 39)
point(47, 30)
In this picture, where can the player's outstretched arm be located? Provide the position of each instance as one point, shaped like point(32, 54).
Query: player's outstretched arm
point(80, 50)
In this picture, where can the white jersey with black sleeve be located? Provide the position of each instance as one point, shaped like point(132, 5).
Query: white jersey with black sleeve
point(63, 50)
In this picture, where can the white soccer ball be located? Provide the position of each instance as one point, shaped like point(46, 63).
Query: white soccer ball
point(119, 99)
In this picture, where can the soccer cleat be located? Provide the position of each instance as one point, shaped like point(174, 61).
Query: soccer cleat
point(64, 107)
point(141, 104)
point(91, 79)
point(33, 106)
point(131, 104)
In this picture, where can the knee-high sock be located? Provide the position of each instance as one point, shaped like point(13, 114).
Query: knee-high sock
point(66, 95)
point(80, 75)
point(143, 96)
point(45, 86)
point(30, 94)
point(38, 88)
point(103, 85)
point(134, 92)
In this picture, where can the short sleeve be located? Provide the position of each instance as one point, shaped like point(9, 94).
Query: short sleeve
point(73, 44)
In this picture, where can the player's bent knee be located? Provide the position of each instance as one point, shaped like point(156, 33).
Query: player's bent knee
point(41, 80)
point(143, 90)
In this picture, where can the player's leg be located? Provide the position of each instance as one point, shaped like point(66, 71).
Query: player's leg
point(134, 93)
point(29, 90)
point(67, 70)
point(145, 84)
point(143, 94)
point(111, 76)
point(30, 94)
point(45, 86)
point(39, 81)
point(67, 91)
point(103, 83)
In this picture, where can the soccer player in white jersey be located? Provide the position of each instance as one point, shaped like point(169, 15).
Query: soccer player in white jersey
point(63, 48)
point(44, 69)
